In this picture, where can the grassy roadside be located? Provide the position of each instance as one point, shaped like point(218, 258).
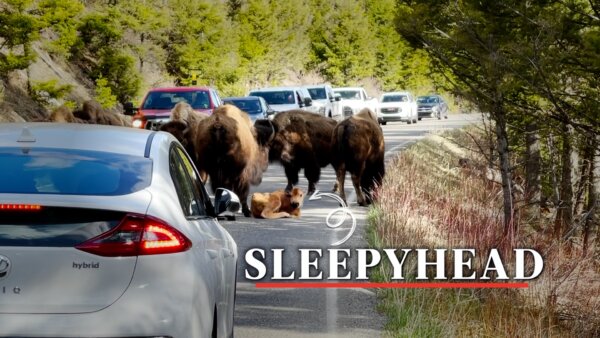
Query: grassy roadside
point(426, 201)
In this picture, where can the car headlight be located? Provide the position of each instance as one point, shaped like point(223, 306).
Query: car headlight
point(322, 110)
point(136, 123)
point(435, 108)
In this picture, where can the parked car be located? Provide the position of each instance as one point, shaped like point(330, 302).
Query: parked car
point(285, 98)
point(255, 106)
point(432, 106)
point(325, 101)
point(354, 99)
point(156, 106)
point(109, 232)
point(397, 106)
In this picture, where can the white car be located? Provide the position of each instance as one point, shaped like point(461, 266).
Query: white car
point(398, 106)
point(109, 232)
point(286, 98)
point(325, 101)
point(355, 99)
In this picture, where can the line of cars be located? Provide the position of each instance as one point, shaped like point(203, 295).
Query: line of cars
point(337, 103)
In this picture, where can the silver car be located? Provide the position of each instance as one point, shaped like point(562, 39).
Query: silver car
point(109, 232)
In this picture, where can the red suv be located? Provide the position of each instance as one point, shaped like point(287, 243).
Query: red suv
point(156, 107)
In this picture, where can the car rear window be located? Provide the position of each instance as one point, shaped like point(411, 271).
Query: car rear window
point(395, 98)
point(163, 100)
point(72, 172)
point(277, 97)
point(54, 226)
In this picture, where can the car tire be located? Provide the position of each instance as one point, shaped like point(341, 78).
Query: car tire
point(383, 123)
point(446, 117)
point(419, 118)
point(409, 122)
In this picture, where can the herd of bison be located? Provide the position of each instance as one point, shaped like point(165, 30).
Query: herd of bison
point(232, 152)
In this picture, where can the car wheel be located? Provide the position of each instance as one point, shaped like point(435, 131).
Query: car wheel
point(415, 121)
point(409, 122)
point(446, 117)
point(419, 118)
point(384, 123)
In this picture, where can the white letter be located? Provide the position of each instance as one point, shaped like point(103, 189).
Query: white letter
point(397, 265)
point(334, 264)
point(538, 264)
point(459, 263)
point(305, 263)
point(362, 262)
point(439, 263)
point(498, 266)
point(255, 263)
point(278, 265)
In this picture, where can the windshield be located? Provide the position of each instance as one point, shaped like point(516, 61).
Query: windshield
point(252, 107)
point(72, 172)
point(167, 100)
point(317, 93)
point(349, 94)
point(395, 98)
point(278, 97)
point(427, 99)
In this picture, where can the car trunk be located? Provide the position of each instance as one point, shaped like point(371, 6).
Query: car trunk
point(46, 273)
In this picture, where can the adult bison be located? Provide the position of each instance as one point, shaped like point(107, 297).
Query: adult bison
point(90, 112)
point(358, 148)
point(228, 151)
point(184, 126)
point(302, 141)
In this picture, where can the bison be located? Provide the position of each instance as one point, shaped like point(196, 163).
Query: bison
point(228, 151)
point(91, 112)
point(184, 125)
point(302, 140)
point(358, 148)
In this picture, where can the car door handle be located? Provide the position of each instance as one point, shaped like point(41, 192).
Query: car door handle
point(226, 252)
point(212, 254)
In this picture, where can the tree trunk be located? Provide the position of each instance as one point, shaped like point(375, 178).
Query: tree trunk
point(564, 216)
point(594, 196)
point(533, 186)
point(504, 155)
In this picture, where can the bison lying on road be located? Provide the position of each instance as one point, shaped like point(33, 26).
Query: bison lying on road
point(227, 150)
point(358, 148)
point(302, 140)
point(91, 112)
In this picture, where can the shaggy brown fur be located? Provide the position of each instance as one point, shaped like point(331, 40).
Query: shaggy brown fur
point(227, 150)
point(359, 149)
point(277, 204)
point(302, 141)
point(63, 114)
point(92, 112)
point(184, 125)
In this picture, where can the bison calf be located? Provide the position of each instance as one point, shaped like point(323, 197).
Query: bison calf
point(358, 148)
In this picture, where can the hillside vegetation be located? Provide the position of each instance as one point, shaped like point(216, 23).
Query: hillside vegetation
point(111, 50)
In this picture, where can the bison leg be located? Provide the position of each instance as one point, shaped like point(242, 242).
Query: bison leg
point(242, 192)
point(291, 172)
point(356, 181)
point(312, 172)
point(340, 174)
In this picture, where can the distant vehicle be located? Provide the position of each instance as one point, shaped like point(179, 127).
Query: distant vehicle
point(255, 106)
point(354, 99)
point(285, 98)
point(432, 106)
point(156, 107)
point(325, 101)
point(397, 106)
point(109, 232)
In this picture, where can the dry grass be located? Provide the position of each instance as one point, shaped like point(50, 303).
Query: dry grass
point(428, 202)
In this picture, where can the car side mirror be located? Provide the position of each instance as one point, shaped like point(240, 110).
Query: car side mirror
point(337, 97)
point(129, 109)
point(270, 112)
point(307, 101)
point(227, 203)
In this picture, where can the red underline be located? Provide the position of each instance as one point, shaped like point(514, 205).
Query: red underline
point(408, 285)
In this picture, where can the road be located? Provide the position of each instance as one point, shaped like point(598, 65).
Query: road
point(314, 312)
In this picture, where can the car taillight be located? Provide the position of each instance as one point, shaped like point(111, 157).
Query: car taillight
point(20, 207)
point(137, 235)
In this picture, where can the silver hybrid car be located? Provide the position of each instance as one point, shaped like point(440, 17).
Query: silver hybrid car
point(109, 232)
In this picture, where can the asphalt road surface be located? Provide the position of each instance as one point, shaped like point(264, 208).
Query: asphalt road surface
point(303, 312)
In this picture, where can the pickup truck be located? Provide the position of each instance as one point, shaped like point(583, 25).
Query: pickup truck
point(354, 99)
